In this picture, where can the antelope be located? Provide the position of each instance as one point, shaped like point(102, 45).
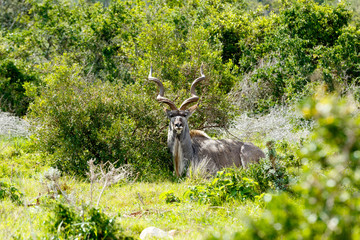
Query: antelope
point(190, 148)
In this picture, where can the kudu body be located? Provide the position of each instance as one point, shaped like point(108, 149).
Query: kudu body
point(194, 148)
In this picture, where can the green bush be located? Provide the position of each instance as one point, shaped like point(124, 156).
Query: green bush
point(11, 192)
point(268, 176)
point(228, 185)
point(328, 193)
point(282, 59)
point(169, 197)
point(315, 23)
point(12, 92)
point(78, 120)
point(66, 222)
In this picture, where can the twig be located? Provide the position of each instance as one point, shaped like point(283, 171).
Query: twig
point(102, 191)
point(140, 198)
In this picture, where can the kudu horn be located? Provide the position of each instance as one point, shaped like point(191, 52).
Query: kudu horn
point(161, 97)
point(194, 97)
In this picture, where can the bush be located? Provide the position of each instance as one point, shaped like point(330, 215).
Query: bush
point(12, 79)
point(11, 192)
point(169, 197)
point(65, 222)
point(281, 59)
point(268, 175)
point(78, 120)
point(228, 185)
point(328, 203)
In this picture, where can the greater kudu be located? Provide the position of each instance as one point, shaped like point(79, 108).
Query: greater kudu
point(190, 148)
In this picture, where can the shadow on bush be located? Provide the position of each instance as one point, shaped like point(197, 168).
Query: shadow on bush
point(77, 120)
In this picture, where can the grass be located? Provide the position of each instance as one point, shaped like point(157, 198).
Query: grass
point(17, 158)
point(136, 206)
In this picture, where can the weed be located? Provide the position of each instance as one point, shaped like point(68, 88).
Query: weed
point(227, 185)
point(268, 176)
point(11, 192)
point(106, 174)
point(65, 222)
point(169, 197)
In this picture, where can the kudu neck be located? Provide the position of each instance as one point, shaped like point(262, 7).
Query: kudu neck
point(181, 148)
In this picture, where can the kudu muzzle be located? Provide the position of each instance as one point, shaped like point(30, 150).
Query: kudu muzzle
point(178, 125)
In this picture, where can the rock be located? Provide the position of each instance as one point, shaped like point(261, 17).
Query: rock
point(153, 232)
point(172, 233)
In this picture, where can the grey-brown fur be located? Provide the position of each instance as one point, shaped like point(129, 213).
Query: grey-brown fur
point(189, 151)
point(195, 148)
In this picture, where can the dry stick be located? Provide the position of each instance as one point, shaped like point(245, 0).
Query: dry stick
point(92, 175)
point(91, 191)
point(63, 193)
point(140, 198)
point(102, 191)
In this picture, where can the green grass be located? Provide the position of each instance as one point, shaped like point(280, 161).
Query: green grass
point(24, 168)
point(17, 158)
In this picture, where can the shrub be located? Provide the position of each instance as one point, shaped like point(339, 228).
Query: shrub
point(169, 197)
point(328, 206)
point(11, 192)
point(268, 175)
point(66, 222)
point(12, 79)
point(280, 58)
point(77, 120)
point(228, 185)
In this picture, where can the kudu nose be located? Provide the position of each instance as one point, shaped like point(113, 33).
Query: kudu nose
point(178, 125)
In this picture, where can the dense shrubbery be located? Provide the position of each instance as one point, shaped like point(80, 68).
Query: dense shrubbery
point(285, 60)
point(228, 185)
point(241, 184)
point(12, 81)
point(66, 222)
point(78, 120)
point(329, 203)
point(11, 192)
point(269, 176)
point(83, 67)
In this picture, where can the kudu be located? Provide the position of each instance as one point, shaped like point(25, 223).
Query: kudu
point(191, 148)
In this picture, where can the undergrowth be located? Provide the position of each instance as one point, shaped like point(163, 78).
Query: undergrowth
point(70, 222)
point(11, 192)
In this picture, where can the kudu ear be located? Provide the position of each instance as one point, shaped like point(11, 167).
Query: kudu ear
point(192, 109)
point(167, 111)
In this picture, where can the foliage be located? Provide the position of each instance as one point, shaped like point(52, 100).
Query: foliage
point(169, 197)
point(268, 175)
point(323, 23)
point(12, 80)
point(11, 192)
point(228, 185)
point(329, 201)
point(77, 120)
point(284, 60)
point(18, 158)
point(11, 13)
point(65, 222)
point(261, 58)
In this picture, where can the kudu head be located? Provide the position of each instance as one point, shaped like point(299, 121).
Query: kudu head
point(178, 116)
